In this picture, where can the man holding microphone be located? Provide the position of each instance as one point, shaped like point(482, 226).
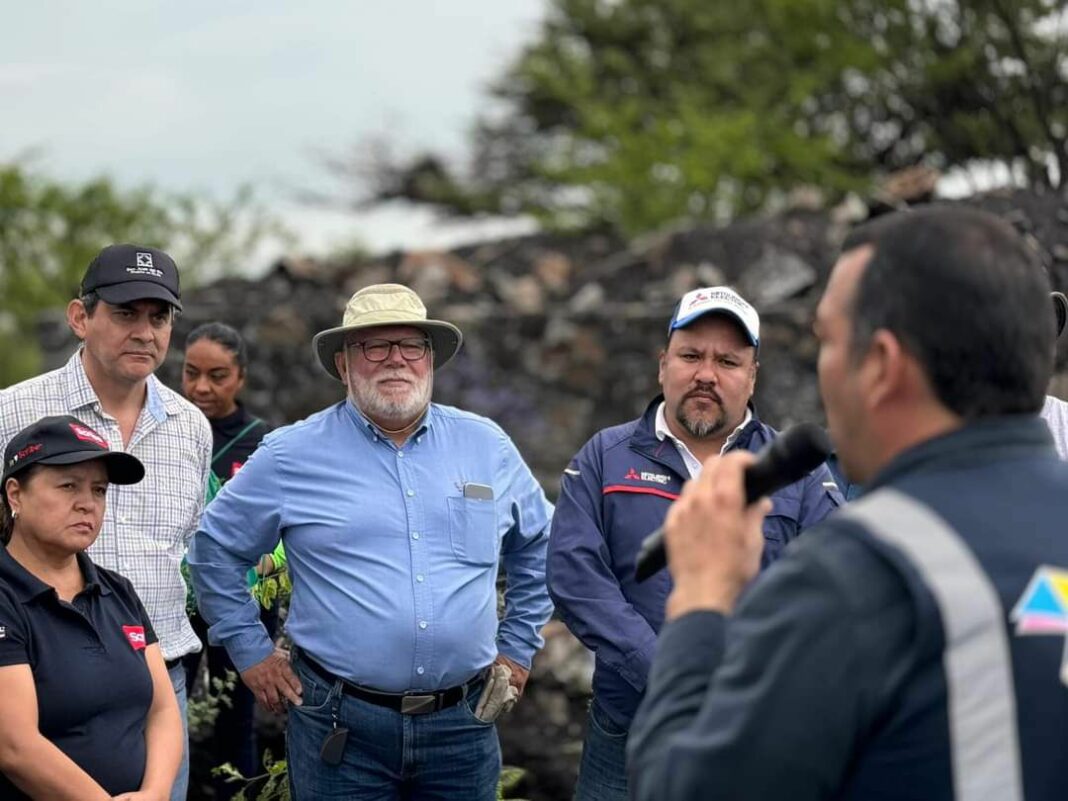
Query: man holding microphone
point(913, 645)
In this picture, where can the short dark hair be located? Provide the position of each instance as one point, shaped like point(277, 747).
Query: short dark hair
point(90, 300)
point(967, 297)
point(223, 335)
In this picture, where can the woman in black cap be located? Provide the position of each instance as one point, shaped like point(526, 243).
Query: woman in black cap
point(87, 710)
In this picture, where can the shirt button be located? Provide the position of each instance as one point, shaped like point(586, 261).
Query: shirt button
point(415, 535)
point(419, 577)
point(419, 670)
point(400, 454)
point(422, 624)
point(410, 493)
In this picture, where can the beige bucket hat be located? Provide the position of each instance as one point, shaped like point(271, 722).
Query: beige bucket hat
point(386, 304)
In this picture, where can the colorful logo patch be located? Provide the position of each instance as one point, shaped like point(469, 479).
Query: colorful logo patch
point(135, 635)
point(1043, 608)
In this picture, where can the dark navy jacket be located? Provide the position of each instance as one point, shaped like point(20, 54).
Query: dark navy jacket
point(615, 492)
point(921, 655)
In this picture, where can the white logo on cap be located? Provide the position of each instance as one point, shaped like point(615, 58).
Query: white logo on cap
point(3, 632)
point(702, 301)
point(144, 259)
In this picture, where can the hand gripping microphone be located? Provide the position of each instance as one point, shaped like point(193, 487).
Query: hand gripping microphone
point(788, 458)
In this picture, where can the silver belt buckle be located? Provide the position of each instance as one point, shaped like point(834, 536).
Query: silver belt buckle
point(417, 704)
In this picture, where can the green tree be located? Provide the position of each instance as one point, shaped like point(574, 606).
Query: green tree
point(633, 113)
point(49, 231)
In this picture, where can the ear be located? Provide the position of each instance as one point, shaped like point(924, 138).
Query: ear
point(77, 318)
point(341, 365)
point(885, 370)
point(13, 490)
point(661, 361)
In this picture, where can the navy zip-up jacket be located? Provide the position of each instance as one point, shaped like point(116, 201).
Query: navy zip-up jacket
point(613, 494)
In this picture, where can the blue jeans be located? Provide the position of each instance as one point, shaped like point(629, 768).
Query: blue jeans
point(603, 770)
point(181, 782)
point(440, 756)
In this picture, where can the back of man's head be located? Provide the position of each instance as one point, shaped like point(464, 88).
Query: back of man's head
point(961, 290)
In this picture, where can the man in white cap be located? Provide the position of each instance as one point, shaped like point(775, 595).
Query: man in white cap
point(395, 513)
point(618, 489)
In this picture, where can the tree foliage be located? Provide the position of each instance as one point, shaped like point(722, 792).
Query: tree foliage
point(50, 230)
point(634, 113)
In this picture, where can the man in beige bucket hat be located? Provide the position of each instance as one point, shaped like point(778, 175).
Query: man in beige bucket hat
point(396, 514)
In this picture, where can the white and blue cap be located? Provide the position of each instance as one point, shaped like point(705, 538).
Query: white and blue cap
point(717, 300)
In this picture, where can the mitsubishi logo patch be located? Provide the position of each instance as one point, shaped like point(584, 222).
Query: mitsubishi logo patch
point(645, 475)
point(1043, 609)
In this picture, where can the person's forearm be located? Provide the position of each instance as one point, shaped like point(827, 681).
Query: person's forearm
point(38, 768)
point(689, 654)
point(164, 741)
point(527, 607)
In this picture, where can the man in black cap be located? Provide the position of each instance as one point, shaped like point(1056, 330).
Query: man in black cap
point(123, 316)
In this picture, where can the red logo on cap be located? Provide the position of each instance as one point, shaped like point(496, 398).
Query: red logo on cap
point(88, 435)
point(29, 449)
point(135, 635)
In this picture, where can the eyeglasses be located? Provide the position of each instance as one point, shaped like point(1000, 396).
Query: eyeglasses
point(378, 350)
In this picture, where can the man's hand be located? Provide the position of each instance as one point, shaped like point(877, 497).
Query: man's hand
point(519, 675)
point(273, 681)
point(714, 540)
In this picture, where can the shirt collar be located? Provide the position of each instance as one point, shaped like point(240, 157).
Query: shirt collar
point(81, 395)
point(371, 430)
point(27, 586)
point(661, 429)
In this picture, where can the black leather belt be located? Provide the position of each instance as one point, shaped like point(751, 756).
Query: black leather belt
point(172, 663)
point(405, 703)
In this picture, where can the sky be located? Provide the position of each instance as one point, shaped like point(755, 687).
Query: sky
point(206, 96)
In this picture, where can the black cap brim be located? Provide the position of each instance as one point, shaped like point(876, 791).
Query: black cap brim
point(129, 291)
point(122, 468)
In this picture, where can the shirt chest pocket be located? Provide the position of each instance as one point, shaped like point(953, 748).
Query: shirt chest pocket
point(473, 530)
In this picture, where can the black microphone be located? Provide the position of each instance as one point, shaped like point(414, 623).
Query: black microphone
point(786, 459)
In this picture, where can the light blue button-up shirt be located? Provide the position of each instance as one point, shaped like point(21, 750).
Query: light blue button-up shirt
point(394, 569)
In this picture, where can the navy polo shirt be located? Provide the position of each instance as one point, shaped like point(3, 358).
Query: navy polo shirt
point(93, 686)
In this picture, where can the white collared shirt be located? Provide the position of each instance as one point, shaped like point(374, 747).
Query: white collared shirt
point(693, 464)
point(147, 525)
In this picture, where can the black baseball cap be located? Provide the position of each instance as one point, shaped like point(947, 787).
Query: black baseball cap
point(1060, 311)
point(67, 440)
point(125, 273)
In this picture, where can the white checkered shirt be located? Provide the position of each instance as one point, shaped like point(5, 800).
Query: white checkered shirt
point(147, 525)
